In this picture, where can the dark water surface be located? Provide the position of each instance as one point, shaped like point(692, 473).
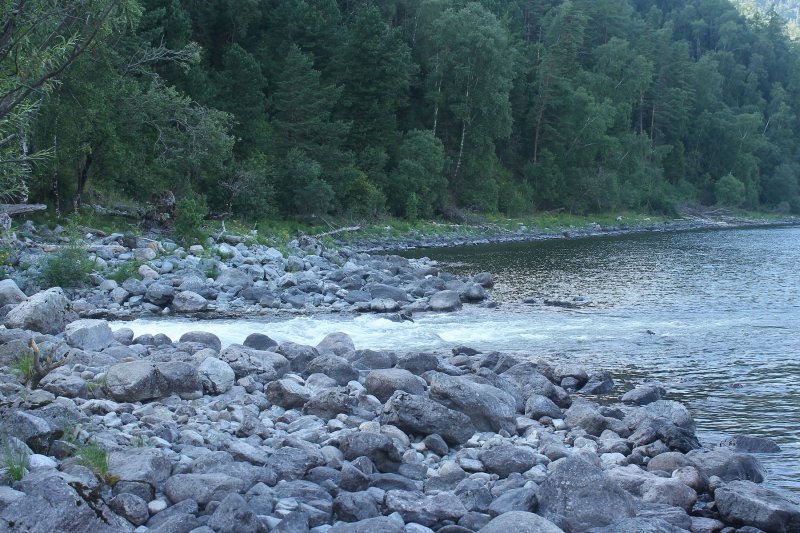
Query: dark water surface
point(723, 308)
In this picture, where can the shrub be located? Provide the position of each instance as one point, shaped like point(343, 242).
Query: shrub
point(15, 460)
point(68, 268)
point(95, 457)
point(730, 191)
point(192, 209)
point(127, 270)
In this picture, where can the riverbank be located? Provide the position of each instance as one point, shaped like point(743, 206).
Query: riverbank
point(439, 235)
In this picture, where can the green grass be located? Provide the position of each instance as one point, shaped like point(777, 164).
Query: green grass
point(16, 461)
point(94, 457)
point(127, 270)
point(24, 367)
point(69, 267)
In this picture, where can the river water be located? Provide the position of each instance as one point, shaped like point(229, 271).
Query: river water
point(712, 315)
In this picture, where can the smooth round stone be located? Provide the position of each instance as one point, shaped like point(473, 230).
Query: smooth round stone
point(156, 506)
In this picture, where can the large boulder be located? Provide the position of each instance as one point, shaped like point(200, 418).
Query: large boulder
point(217, 375)
point(141, 465)
point(337, 343)
point(578, 495)
point(745, 503)
point(265, 366)
point(379, 290)
point(234, 277)
point(46, 312)
point(159, 293)
point(384, 382)
point(10, 293)
point(727, 464)
point(202, 337)
point(506, 459)
point(520, 522)
point(750, 444)
point(489, 408)
point(652, 488)
point(181, 378)
point(287, 393)
point(423, 416)
point(189, 302)
point(202, 488)
point(666, 420)
point(376, 446)
point(89, 335)
point(333, 366)
point(58, 502)
point(445, 301)
point(134, 381)
point(527, 378)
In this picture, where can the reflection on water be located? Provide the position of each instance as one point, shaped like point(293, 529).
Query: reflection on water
point(714, 316)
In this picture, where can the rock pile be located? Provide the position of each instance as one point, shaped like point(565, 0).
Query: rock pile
point(330, 438)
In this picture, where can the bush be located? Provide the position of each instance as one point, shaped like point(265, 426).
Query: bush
point(68, 268)
point(127, 270)
point(15, 460)
point(730, 191)
point(192, 209)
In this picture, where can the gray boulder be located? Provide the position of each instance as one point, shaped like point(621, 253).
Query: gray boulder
point(428, 511)
point(521, 499)
point(445, 301)
point(727, 464)
point(599, 383)
point(181, 378)
point(159, 294)
point(505, 459)
point(234, 515)
point(131, 507)
point(745, 503)
point(639, 525)
point(337, 343)
point(233, 277)
point(202, 488)
point(489, 408)
point(384, 382)
point(265, 366)
point(188, 302)
point(644, 394)
point(652, 488)
point(259, 341)
point(750, 444)
point(142, 465)
point(51, 504)
point(379, 448)
point(538, 406)
point(216, 375)
point(578, 495)
point(355, 506)
point(134, 381)
point(202, 337)
point(46, 312)
point(473, 292)
point(10, 293)
point(530, 381)
point(33, 430)
point(299, 355)
point(520, 522)
point(287, 393)
point(379, 290)
point(333, 366)
point(423, 416)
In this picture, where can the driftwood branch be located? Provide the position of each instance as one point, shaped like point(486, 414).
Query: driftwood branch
point(39, 371)
point(18, 209)
point(340, 230)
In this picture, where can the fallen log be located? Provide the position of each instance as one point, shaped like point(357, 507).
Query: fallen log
point(340, 230)
point(18, 209)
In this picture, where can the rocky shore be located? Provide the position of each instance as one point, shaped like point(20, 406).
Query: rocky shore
point(158, 434)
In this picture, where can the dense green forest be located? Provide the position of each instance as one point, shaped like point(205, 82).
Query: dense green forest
point(264, 108)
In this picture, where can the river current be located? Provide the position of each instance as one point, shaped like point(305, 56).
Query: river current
point(712, 315)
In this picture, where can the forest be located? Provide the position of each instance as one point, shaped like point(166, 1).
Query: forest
point(259, 109)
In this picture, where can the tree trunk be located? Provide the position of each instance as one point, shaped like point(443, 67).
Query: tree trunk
point(653, 124)
point(83, 177)
point(460, 149)
point(436, 105)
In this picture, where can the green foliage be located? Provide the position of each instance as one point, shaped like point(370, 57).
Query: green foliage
point(730, 191)
point(15, 460)
point(24, 367)
point(126, 270)
point(69, 267)
point(192, 209)
point(95, 457)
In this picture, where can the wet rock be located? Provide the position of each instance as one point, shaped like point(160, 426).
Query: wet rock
point(379, 290)
point(644, 394)
point(473, 292)
point(484, 279)
point(383, 383)
point(445, 301)
point(599, 383)
point(745, 503)
point(520, 522)
point(90, 335)
point(577, 496)
point(188, 302)
point(727, 464)
point(423, 416)
point(750, 444)
point(489, 408)
point(46, 312)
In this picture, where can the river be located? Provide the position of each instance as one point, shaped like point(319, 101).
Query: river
point(713, 315)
